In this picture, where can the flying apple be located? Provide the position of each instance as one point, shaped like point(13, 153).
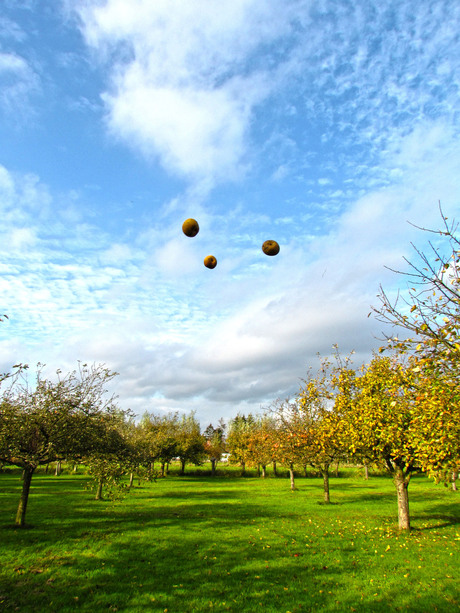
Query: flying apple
point(190, 227)
point(271, 248)
point(210, 261)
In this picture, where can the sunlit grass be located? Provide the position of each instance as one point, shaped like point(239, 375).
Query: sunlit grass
point(197, 543)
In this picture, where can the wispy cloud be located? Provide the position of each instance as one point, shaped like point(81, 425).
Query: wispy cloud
point(186, 78)
point(18, 81)
point(11, 30)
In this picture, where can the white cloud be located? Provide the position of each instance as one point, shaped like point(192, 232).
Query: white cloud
point(21, 239)
point(186, 79)
point(18, 81)
point(194, 132)
point(10, 63)
point(11, 30)
point(116, 254)
point(6, 187)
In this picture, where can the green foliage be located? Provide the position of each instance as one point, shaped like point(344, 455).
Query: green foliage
point(159, 436)
point(239, 435)
point(321, 416)
point(190, 444)
point(114, 457)
point(262, 441)
point(53, 420)
point(214, 443)
point(107, 473)
point(288, 438)
point(380, 416)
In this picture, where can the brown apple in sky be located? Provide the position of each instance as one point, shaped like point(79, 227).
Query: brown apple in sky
point(190, 227)
point(271, 248)
point(210, 261)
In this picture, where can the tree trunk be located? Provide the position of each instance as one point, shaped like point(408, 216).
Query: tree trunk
point(100, 483)
point(182, 467)
point(325, 474)
point(258, 470)
point(131, 480)
point(366, 472)
point(337, 469)
point(58, 470)
point(75, 467)
point(402, 484)
point(274, 468)
point(291, 477)
point(243, 468)
point(213, 467)
point(162, 470)
point(454, 480)
point(22, 507)
point(305, 473)
point(167, 468)
point(264, 471)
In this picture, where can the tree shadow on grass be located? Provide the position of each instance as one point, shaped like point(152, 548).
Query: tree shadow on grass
point(193, 572)
point(185, 495)
point(375, 497)
point(75, 521)
point(447, 514)
point(181, 551)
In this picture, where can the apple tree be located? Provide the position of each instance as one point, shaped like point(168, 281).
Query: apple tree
point(323, 431)
point(429, 309)
point(190, 443)
point(160, 438)
point(382, 422)
point(261, 442)
point(214, 445)
point(428, 313)
point(289, 441)
point(52, 420)
point(239, 434)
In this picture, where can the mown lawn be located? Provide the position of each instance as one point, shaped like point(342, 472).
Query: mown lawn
point(197, 543)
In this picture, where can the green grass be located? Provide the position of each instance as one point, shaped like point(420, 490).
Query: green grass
point(197, 543)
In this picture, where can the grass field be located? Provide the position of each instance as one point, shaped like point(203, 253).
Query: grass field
point(197, 543)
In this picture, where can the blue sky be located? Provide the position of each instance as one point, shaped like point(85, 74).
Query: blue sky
point(325, 125)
